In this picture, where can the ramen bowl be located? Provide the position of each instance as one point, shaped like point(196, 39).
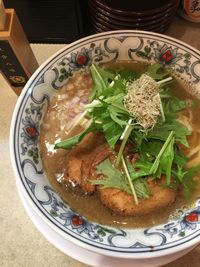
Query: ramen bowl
point(152, 246)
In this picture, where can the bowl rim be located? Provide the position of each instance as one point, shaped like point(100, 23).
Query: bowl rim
point(82, 254)
point(27, 90)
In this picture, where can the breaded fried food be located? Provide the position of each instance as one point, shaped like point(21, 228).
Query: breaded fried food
point(83, 159)
point(122, 203)
point(81, 169)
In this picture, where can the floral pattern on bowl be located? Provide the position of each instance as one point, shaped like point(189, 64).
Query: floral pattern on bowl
point(107, 47)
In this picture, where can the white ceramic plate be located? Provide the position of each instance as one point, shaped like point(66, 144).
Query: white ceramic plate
point(81, 254)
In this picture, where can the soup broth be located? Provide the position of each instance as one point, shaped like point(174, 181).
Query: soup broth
point(65, 105)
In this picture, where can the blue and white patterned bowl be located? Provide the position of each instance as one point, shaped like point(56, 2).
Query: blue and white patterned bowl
point(176, 236)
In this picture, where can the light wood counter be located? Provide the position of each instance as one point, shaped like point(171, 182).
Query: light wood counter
point(21, 243)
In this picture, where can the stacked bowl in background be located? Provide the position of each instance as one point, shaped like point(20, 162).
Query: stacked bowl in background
point(145, 15)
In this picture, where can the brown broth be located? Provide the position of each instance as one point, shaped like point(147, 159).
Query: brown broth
point(57, 127)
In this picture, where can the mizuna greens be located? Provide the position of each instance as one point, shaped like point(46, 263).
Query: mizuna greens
point(156, 142)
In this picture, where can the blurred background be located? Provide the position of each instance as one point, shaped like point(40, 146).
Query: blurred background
point(50, 21)
point(63, 21)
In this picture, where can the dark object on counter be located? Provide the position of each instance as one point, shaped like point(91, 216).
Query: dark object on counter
point(190, 10)
point(17, 61)
point(138, 6)
point(144, 15)
point(50, 21)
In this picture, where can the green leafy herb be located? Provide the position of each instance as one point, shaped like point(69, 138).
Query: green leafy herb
point(70, 142)
point(156, 71)
point(101, 79)
point(114, 178)
point(157, 147)
point(126, 133)
point(141, 188)
point(161, 132)
point(128, 75)
point(185, 177)
point(129, 181)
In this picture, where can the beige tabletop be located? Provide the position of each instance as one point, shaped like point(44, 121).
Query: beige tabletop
point(21, 244)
